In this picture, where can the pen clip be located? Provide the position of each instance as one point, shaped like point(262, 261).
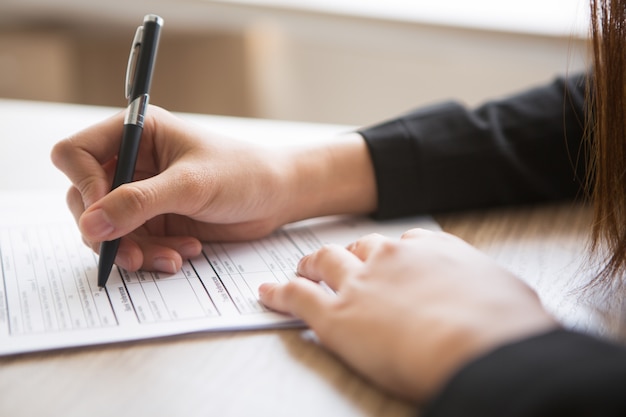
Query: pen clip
point(132, 61)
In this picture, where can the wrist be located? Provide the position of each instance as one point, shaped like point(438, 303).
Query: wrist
point(336, 177)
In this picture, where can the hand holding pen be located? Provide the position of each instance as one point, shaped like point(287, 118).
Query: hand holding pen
point(138, 79)
point(193, 185)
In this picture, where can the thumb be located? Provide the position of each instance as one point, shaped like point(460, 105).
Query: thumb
point(131, 205)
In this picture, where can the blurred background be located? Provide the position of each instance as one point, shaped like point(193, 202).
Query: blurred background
point(336, 61)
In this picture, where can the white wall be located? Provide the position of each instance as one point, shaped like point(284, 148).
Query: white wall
point(358, 71)
point(299, 62)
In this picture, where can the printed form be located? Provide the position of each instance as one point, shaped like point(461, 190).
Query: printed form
point(49, 298)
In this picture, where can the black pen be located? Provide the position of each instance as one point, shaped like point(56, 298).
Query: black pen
point(138, 78)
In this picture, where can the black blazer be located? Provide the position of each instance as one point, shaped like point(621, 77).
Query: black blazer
point(522, 149)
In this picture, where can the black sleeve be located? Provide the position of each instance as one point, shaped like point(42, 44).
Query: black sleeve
point(522, 149)
point(559, 373)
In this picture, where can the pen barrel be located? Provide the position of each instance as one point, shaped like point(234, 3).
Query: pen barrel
point(127, 156)
point(147, 56)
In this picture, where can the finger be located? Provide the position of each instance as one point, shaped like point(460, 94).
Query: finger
point(299, 297)
point(166, 254)
point(433, 235)
point(363, 247)
point(83, 157)
point(77, 207)
point(75, 202)
point(417, 233)
point(129, 255)
point(331, 264)
point(177, 190)
point(163, 254)
point(148, 256)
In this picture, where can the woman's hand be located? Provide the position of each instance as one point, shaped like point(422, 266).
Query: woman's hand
point(408, 313)
point(191, 185)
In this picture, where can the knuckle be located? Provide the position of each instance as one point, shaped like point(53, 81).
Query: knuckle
point(292, 288)
point(417, 232)
point(58, 153)
point(320, 256)
point(62, 151)
point(327, 249)
point(91, 187)
point(136, 199)
point(73, 197)
point(412, 233)
point(387, 248)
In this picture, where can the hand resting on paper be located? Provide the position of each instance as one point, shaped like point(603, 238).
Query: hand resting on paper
point(411, 311)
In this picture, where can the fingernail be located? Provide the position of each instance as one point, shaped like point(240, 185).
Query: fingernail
point(96, 224)
point(164, 265)
point(190, 250)
point(300, 265)
point(122, 259)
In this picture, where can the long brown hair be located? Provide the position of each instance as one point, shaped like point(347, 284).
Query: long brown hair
point(608, 149)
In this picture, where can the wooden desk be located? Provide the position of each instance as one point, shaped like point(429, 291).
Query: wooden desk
point(262, 373)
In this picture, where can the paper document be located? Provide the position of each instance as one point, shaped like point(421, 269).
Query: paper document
point(49, 297)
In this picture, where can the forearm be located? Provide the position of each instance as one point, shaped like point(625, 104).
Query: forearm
point(335, 177)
